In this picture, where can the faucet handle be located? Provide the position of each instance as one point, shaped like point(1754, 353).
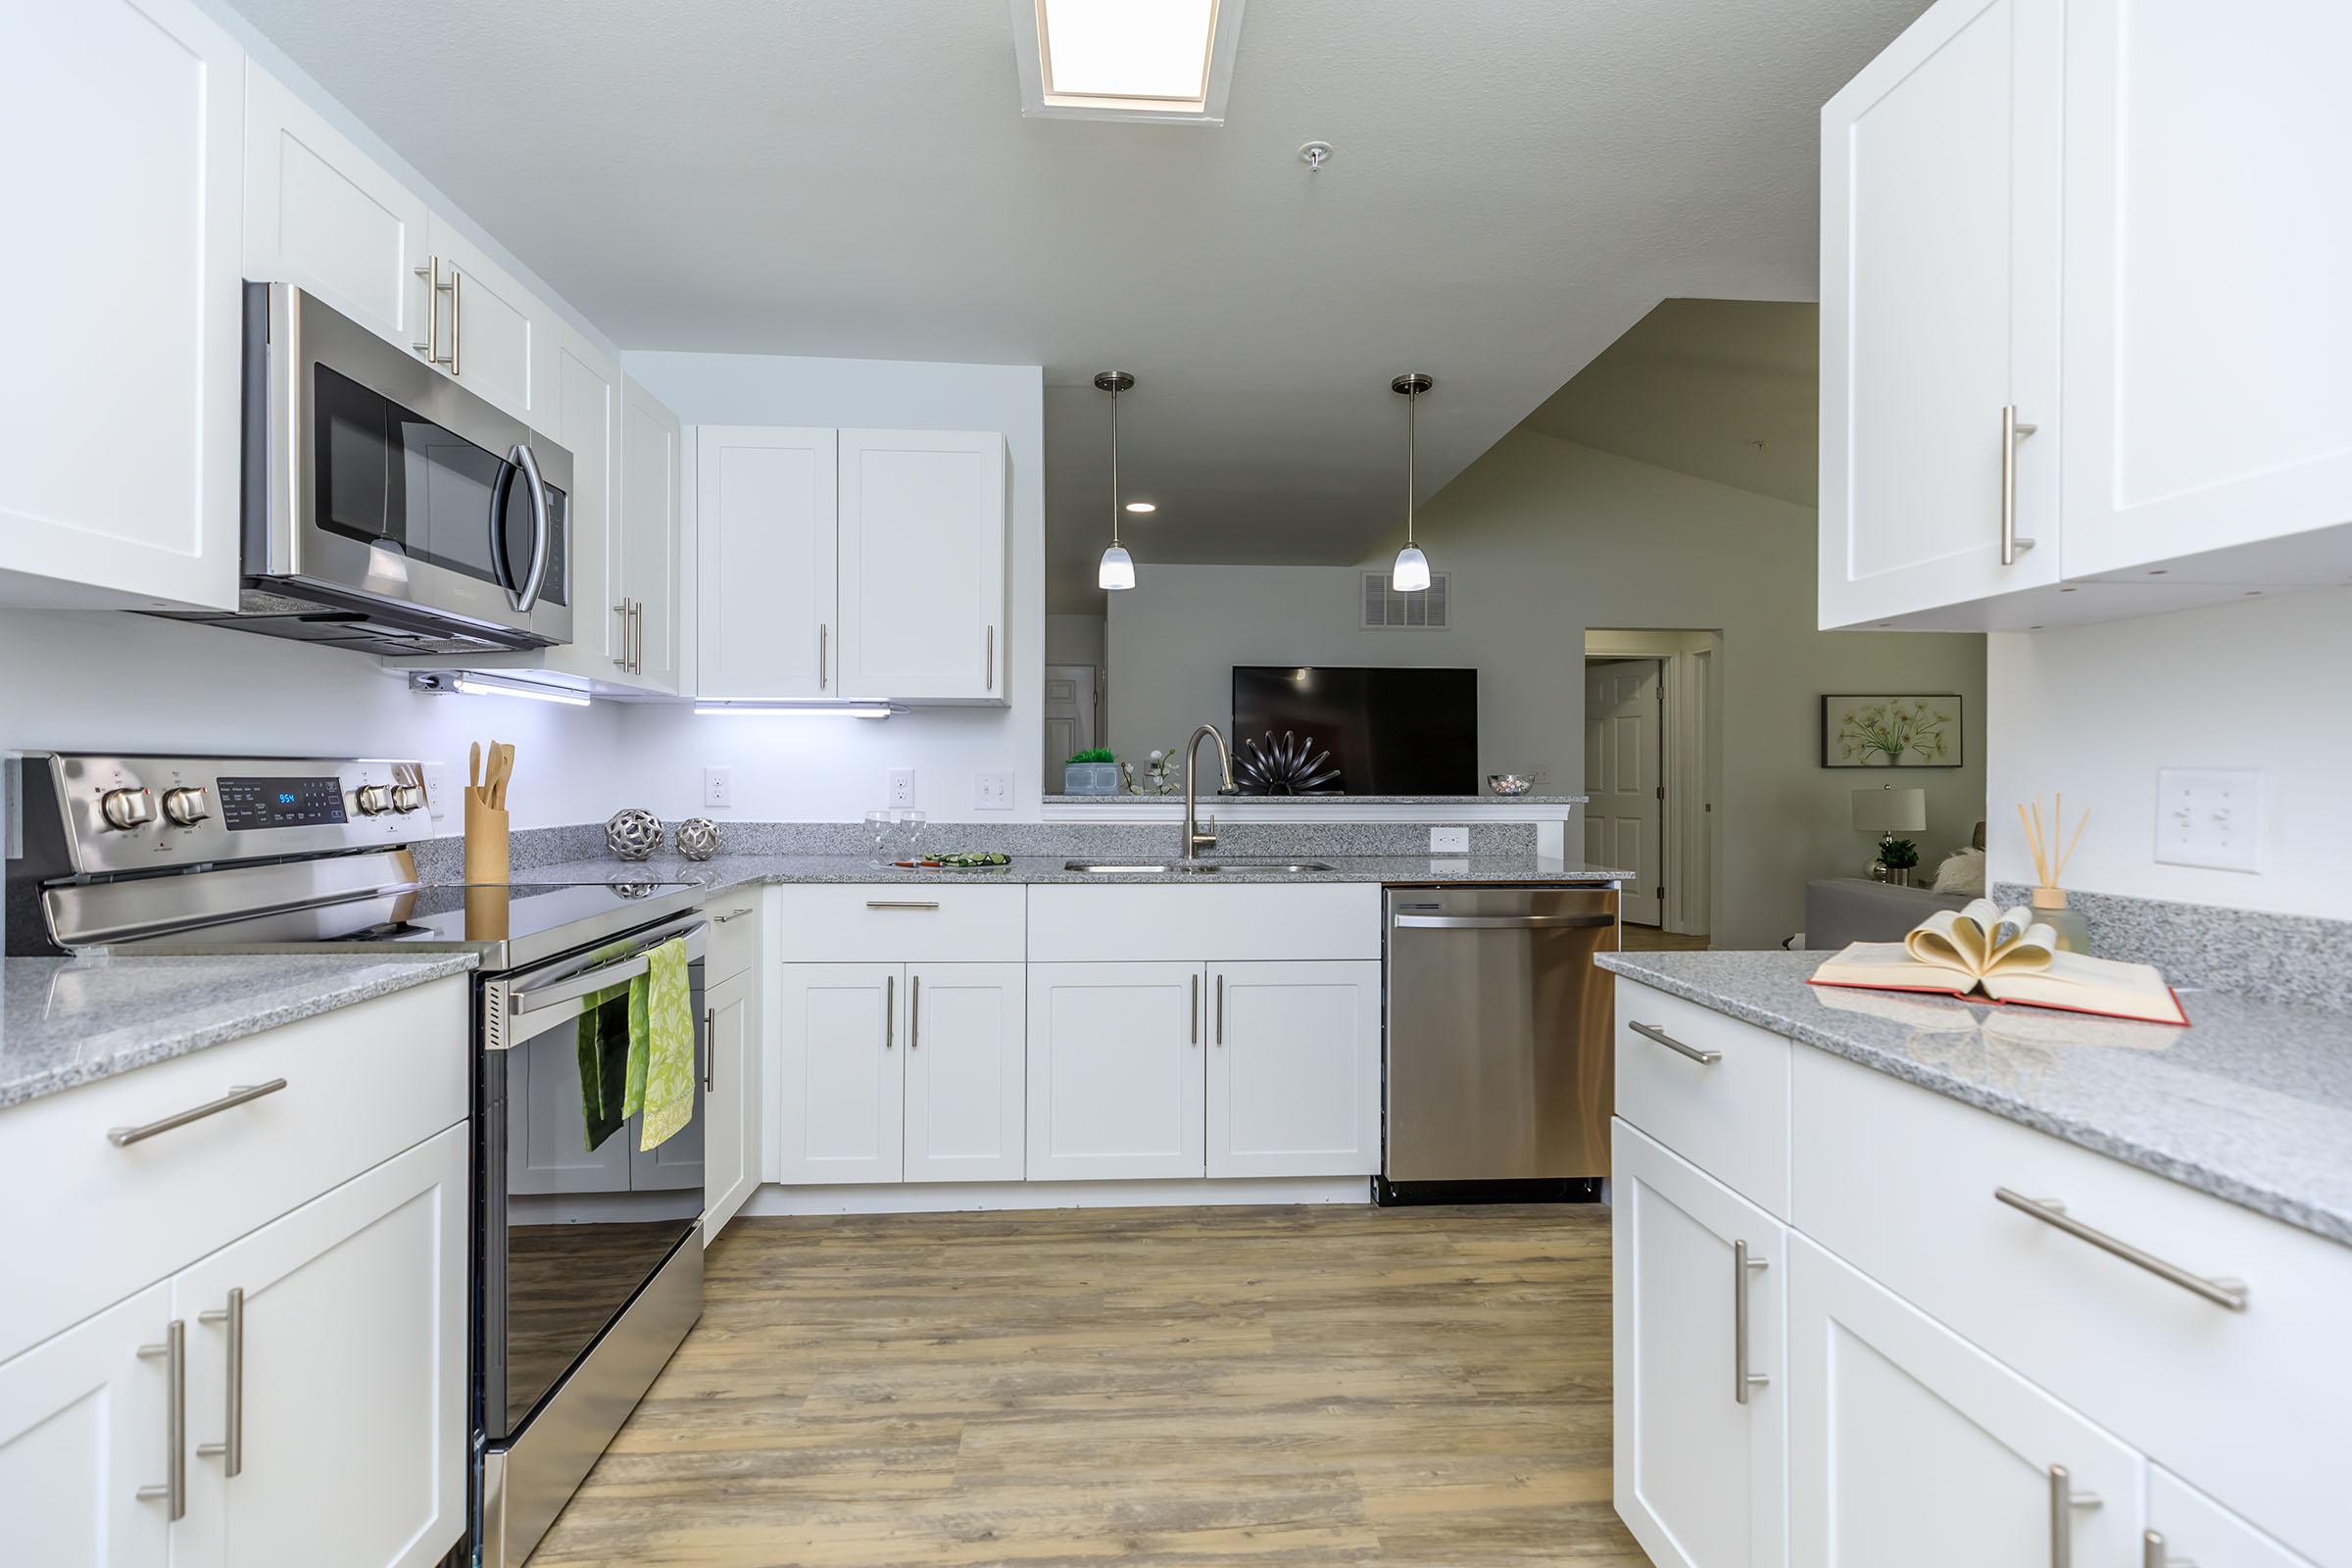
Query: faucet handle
point(1207, 834)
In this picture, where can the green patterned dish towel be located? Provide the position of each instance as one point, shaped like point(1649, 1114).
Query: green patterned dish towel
point(636, 1053)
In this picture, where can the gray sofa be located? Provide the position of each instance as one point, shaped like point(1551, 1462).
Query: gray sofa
point(1853, 909)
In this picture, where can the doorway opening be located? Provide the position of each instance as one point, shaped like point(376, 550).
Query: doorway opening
point(1652, 772)
point(1074, 716)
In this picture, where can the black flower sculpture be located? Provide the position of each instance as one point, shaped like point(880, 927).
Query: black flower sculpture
point(1286, 766)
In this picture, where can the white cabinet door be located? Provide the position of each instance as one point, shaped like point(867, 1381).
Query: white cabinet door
point(1293, 1069)
point(2207, 325)
point(1939, 273)
point(730, 1098)
point(966, 1064)
point(1115, 1077)
point(491, 325)
point(585, 409)
point(1907, 1445)
point(348, 1442)
point(765, 624)
point(85, 1419)
point(651, 474)
point(1701, 1463)
point(323, 215)
point(922, 565)
point(2186, 1528)
point(122, 188)
point(840, 1075)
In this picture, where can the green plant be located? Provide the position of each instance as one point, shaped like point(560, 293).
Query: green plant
point(1898, 855)
point(1101, 754)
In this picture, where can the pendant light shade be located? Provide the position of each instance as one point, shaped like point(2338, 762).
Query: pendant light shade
point(1118, 567)
point(1410, 574)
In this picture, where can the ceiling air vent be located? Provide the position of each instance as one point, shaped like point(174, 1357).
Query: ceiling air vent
point(1386, 610)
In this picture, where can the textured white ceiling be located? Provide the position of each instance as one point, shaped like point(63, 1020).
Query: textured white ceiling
point(1516, 183)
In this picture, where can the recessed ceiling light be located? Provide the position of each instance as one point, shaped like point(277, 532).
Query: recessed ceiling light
point(1141, 506)
point(1168, 60)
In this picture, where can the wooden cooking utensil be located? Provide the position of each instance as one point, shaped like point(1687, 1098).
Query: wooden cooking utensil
point(474, 767)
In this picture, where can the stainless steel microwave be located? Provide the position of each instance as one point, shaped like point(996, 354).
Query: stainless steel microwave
point(386, 508)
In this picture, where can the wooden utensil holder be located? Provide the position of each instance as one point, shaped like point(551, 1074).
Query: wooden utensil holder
point(486, 856)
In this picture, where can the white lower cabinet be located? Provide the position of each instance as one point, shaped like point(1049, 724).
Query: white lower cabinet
point(965, 1069)
point(1115, 1080)
point(1907, 1445)
point(2186, 1528)
point(85, 1419)
point(841, 1078)
point(1700, 1446)
point(1293, 1069)
point(731, 1097)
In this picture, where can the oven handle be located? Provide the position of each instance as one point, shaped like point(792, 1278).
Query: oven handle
point(550, 1003)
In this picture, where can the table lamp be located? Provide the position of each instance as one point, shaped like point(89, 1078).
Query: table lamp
point(1888, 810)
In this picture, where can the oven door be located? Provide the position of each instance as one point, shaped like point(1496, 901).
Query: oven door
point(570, 1232)
point(388, 481)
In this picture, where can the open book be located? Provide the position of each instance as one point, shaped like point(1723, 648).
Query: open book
point(1986, 955)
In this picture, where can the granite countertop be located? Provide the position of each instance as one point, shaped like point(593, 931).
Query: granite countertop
point(1209, 802)
point(738, 870)
point(69, 1021)
point(2251, 1102)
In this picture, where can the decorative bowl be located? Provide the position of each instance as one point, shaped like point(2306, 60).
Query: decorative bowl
point(1507, 784)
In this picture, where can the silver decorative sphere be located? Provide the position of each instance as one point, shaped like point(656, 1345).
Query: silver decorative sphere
point(633, 834)
point(697, 838)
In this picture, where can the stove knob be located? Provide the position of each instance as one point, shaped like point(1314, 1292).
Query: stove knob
point(127, 808)
point(374, 800)
point(408, 797)
point(186, 804)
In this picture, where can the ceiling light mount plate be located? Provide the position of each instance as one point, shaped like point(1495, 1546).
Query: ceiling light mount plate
point(1114, 380)
point(1413, 384)
point(1314, 155)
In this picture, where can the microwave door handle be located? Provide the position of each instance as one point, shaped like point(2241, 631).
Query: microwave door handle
point(501, 490)
point(541, 531)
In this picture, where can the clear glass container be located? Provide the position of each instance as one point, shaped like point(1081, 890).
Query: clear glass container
point(906, 835)
point(878, 827)
point(2049, 907)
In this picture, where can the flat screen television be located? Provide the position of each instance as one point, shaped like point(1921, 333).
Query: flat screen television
point(1389, 731)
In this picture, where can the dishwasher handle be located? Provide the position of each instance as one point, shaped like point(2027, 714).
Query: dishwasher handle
point(1502, 922)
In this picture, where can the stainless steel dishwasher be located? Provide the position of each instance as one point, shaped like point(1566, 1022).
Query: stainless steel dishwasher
point(1499, 1041)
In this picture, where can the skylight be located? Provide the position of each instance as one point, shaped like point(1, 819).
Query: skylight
point(1158, 60)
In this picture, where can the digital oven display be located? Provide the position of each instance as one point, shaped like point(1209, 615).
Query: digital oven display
point(251, 803)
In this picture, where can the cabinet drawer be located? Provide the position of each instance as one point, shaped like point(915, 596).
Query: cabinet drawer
point(1146, 923)
point(363, 1084)
point(1728, 1115)
point(2252, 1406)
point(899, 923)
point(733, 948)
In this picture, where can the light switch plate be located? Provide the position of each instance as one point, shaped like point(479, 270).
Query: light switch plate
point(436, 790)
point(1449, 840)
point(991, 792)
point(2209, 816)
point(718, 787)
point(897, 785)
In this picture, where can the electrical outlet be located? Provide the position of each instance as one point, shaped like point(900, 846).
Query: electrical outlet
point(899, 783)
point(2209, 816)
point(1449, 840)
point(718, 787)
point(991, 792)
point(436, 790)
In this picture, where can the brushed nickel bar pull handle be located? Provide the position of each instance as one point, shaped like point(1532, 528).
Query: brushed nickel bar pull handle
point(1651, 1031)
point(238, 1095)
point(174, 1488)
point(2153, 1555)
point(1502, 923)
point(457, 313)
point(1742, 1380)
point(2011, 429)
point(992, 658)
point(1220, 1010)
point(731, 915)
point(2223, 1293)
point(1195, 1032)
point(902, 904)
point(889, 1009)
point(230, 1449)
point(914, 1013)
point(621, 659)
point(821, 635)
point(709, 1050)
point(430, 348)
point(2063, 1500)
point(636, 636)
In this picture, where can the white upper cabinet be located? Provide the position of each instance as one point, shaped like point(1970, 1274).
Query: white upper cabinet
point(585, 405)
point(122, 186)
point(1939, 273)
point(2208, 327)
point(652, 476)
point(490, 330)
point(765, 560)
point(323, 215)
point(922, 565)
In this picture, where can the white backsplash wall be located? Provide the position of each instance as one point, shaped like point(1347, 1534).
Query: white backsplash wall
point(2097, 711)
point(832, 769)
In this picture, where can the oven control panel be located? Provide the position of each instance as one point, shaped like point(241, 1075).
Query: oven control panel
point(119, 813)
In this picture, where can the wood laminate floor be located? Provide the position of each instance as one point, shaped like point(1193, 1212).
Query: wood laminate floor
point(1257, 1386)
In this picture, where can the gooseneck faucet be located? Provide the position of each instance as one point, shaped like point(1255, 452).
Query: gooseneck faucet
point(1195, 841)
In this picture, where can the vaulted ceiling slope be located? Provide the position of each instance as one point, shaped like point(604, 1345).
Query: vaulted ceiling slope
point(1515, 183)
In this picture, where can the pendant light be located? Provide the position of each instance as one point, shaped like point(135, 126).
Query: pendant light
point(1118, 568)
point(1412, 573)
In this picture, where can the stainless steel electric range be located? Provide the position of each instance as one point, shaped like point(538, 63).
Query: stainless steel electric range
point(586, 1265)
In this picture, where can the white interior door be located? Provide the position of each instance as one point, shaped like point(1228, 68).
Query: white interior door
point(351, 1447)
point(840, 1086)
point(730, 1100)
point(1293, 1069)
point(1939, 273)
point(82, 1428)
point(1115, 1077)
point(765, 519)
point(1070, 709)
point(922, 565)
point(1624, 730)
point(1907, 1445)
point(966, 1072)
point(1700, 1476)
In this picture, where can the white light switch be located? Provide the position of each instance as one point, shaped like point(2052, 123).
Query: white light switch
point(2209, 816)
point(1449, 840)
point(718, 787)
point(991, 792)
point(899, 785)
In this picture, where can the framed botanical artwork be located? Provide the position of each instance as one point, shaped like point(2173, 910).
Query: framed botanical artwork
point(1895, 731)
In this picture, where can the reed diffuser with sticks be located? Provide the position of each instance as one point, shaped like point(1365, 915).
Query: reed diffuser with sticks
point(2049, 864)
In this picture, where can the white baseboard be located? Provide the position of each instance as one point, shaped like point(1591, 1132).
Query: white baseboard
point(939, 1197)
